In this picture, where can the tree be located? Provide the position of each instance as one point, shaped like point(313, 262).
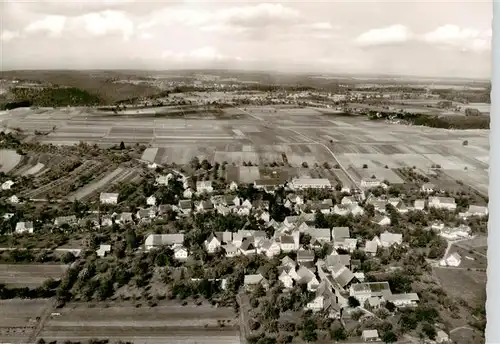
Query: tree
point(353, 302)
point(304, 164)
point(365, 166)
point(68, 258)
point(309, 334)
point(339, 334)
point(465, 143)
point(122, 145)
point(389, 337)
point(429, 331)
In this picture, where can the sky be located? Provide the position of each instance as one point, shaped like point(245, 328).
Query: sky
point(422, 38)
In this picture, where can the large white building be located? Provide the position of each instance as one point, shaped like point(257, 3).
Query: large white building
point(442, 203)
point(309, 183)
point(370, 182)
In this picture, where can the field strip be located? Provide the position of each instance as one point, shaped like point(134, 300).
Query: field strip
point(34, 169)
point(87, 190)
point(201, 137)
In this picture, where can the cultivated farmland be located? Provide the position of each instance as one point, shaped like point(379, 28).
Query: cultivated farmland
point(29, 275)
point(18, 318)
point(170, 323)
point(267, 135)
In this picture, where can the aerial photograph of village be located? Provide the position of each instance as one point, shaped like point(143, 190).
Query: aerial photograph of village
point(330, 189)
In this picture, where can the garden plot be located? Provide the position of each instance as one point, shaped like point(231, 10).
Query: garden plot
point(476, 179)
point(183, 154)
point(91, 188)
point(149, 154)
point(126, 132)
point(170, 323)
point(372, 160)
point(33, 170)
point(380, 136)
point(468, 285)
point(8, 160)
point(29, 275)
point(18, 319)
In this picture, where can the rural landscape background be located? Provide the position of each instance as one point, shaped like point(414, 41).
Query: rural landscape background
point(244, 172)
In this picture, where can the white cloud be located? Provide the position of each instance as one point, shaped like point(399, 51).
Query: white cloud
point(53, 25)
point(8, 35)
point(93, 24)
point(265, 14)
point(394, 34)
point(463, 38)
point(103, 23)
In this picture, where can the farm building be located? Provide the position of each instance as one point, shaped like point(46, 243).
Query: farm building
point(453, 259)
point(7, 185)
point(402, 300)
point(442, 203)
point(109, 198)
point(204, 186)
point(268, 185)
point(370, 336)
point(340, 233)
point(66, 220)
point(309, 183)
point(158, 240)
point(164, 180)
point(419, 204)
point(363, 291)
point(428, 188)
point(475, 210)
point(24, 227)
point(389, 239)
point(251, 281)
point(381, 220)
point(370, 183)
point(103, 250)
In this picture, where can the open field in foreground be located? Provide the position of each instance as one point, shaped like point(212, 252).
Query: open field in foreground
point(466, 284)
point(29, 275)
point(8, 160)
point(18, 318)
point(171, 323)
point(265, 135)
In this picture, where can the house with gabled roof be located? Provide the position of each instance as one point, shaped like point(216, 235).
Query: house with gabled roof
point(103, 250)
point(248, 246)
point(428, 188)
point(233, 186)
point(287, 242)
point(288, 262)
point(381, 220)
point(286, 279)
point(371, 247)
point(348, 244)
point(66, 220)
point(158, 240)
point(204, 186)
point(402, 300)
point(324, 300)
point(203, 206)
point(419, 204)
point(269, 247)
point(340, 233)
point(363, 291)
point(475, 210)
point(125, 218)
point(370, 336)
point(341, 209)
point(216, 239)
point(346, 200)
point(187, 193)
point(447, 203)
point(307, 276)
point(24, 227)
point(320, 234)
point(252, 281)
point(184, 207)
point(151, 200)
point(108, 198)
point(333, 259)
point(231, 250)
point(389, 239)
point(223, 210)
point(181, 253)
point(453, 259)
point(304, 256)
point(342, 275)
